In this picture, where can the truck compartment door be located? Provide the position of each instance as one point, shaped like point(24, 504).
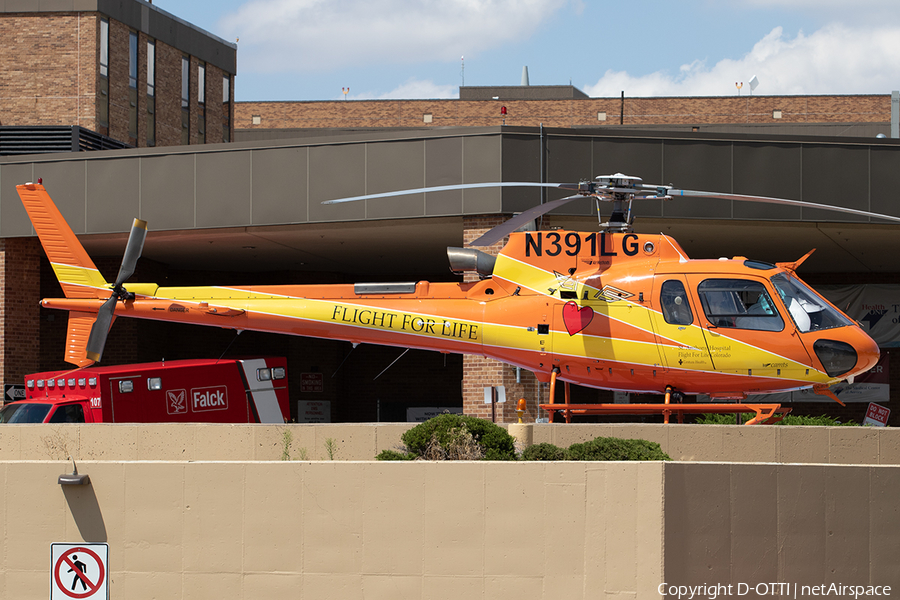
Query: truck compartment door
point(262, 393)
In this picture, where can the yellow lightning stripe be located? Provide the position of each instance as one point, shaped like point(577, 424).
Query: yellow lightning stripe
point(335, 312)
point(80, 276)
point(540, 280)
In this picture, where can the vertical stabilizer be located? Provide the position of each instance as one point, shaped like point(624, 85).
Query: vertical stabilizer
point(74, 269)
point(77, 337)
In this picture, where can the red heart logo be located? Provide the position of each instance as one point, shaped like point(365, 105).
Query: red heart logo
point(576, 319)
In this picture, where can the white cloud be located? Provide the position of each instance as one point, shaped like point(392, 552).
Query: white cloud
point(319, 35)
point(411, 89)
point(833, 60)
point(414, 89)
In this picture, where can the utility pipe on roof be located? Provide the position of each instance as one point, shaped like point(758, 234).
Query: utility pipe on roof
point(895, 114)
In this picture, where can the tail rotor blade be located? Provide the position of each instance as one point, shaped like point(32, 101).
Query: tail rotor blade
point(100, 329)
point(132, 250)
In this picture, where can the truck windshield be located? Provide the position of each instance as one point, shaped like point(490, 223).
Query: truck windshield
point(21, 412)
point(808, 310)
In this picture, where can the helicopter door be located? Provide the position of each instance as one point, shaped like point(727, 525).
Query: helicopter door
point(677, 325)
point(597, 329)
point(745, 332)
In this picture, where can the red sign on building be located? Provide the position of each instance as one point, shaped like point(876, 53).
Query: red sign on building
point(877, 415)
point(312, 382)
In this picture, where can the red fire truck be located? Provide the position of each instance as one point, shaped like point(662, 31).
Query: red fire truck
point(180, 391)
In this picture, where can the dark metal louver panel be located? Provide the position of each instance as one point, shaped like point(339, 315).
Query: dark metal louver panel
point(16, 140)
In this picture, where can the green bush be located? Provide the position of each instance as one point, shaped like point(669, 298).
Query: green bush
point(544, 451)
point(605, 448)
point(394, 455)
point(728, 419)
point(720, 418)
point(822, 420)
point(459, 437)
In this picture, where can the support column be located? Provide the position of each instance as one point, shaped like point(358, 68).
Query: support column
point(20, 294)
point(480, 372)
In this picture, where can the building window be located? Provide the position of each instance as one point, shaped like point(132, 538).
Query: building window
point(185, 100)
point(132, 83)
point(201, 83)
point(201, 100)
point(226, 108)
point(103, 99)
point(151, 93)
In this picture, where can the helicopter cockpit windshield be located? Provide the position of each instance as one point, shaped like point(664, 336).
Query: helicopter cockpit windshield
point(808, 310)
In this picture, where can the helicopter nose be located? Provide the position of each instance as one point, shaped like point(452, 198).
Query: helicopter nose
point(853, 354)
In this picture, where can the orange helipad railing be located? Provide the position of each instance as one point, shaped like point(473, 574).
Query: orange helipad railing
point(765, 413)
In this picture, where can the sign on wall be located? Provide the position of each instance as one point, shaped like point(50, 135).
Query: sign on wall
point(13, 392)
point(420, 414)
point(79, 571)
point(875, 306)
point(313, 411)
point(877, 415)
point(312, 382)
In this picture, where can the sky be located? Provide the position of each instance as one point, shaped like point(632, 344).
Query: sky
point(421, 49)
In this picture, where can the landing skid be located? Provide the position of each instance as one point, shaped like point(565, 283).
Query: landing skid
point(766, 414)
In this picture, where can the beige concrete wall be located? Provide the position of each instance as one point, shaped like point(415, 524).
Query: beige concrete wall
point(787, 524)
point(754, 443)
point(245, 529)
point(362, 441)
point(341, 530)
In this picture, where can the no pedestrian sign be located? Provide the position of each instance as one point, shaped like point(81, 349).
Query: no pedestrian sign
point(79, 571)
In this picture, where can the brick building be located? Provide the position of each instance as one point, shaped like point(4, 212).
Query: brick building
point(530, 106)
point(124, 69)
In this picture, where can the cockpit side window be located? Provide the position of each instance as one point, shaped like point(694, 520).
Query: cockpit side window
point(674, 301)
point(808, 310)
point(739, 304)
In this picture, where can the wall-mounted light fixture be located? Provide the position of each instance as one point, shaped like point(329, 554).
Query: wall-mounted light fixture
point(74, 478)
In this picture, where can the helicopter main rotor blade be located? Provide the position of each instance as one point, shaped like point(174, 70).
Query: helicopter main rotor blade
point(783, 201)
point(507, 227)
point(444, 188)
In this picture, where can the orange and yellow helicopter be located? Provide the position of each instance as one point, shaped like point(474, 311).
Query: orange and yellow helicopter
point(608, 309)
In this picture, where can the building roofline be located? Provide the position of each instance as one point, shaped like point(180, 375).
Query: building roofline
point(148, 19)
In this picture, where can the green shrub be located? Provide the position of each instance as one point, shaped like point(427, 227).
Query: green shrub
point(459, 437)
point(822, 421)
point(544, 451)
point(394, 455)
point(605, 448)
point(721, 418)
point(728, 419)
